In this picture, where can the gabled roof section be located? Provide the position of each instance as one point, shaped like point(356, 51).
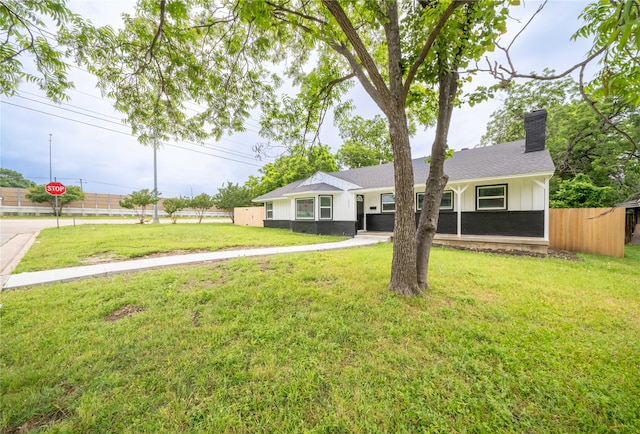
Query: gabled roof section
point(278, 193)
point(325, 178)
point(322, 187)
point(319, 182)
point(498, 161)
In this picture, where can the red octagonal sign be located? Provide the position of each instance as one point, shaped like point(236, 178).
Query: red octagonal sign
point(56, 188)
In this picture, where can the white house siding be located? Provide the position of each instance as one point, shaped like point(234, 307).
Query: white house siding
point(282, 209)
point(372, 200)
point(523, 194)
point(344, 208)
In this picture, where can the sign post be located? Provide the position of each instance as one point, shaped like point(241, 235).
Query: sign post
point(56, 189)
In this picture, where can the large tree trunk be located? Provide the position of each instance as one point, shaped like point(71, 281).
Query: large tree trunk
point(437, 179)
point(403, 265)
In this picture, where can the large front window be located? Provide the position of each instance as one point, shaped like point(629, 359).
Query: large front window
point(326, 205)
point(388, 202)
point(304, 209)
point(491, 197)
point(445, 204)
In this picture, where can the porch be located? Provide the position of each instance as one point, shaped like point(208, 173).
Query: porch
point(484, 242)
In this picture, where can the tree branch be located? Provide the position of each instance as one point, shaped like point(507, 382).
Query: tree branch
point(365, 58)
point(429, 42)
point(607, 121)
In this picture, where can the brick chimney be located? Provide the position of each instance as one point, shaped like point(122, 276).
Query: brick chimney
point(535, 124)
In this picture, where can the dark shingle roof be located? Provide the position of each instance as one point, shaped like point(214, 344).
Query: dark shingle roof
point(504, 160)
point(507, 159)
point(321, 187)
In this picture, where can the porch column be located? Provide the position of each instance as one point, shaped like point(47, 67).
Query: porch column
point(545, 188)
point(458, 191)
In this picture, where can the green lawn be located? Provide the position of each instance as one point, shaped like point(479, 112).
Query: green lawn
point(314, 342)
point(87, 244)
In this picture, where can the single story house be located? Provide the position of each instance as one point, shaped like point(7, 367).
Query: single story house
point(500, 190)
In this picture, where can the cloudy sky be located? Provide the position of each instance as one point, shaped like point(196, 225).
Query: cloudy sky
point(90, 145)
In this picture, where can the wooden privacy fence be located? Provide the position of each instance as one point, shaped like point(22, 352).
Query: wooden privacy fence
point(249, 216)
point(588, 230)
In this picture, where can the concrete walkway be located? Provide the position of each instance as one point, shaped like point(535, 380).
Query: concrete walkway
point(67, 274)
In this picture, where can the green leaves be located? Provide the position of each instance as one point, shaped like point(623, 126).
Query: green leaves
point(38, 194)
point(299, 163)
point(580, 141)
point(366, 142)
point(580, 192)
point(232, 196)
point(139, 201)
point(25, 36)
point(615, 29)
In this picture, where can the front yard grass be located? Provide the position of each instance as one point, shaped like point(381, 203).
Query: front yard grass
point(314, 342)
point(87, 244)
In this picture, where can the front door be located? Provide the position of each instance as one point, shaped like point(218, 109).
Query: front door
point(360, 211)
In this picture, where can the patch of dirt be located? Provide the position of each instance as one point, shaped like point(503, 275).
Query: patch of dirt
point(231, 248)
point(563, 254)
point(170, 253)
point(101, 259)
point(551, 253)
point(264, 263)
point(123, 312)
point(110, 257)
point(195, 318)
point(39, 422)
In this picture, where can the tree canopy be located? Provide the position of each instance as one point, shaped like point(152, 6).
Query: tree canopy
point(11, 178)
point(200, 204)
point(300, 163)
point(38, 194)
point(232, 196)
point(366, 142)
point(580, 192)
point(579, 140)
point(138, 201)
point(29, 51)
point(174, 205)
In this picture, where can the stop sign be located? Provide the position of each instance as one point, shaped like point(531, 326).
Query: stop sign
point(56, 188)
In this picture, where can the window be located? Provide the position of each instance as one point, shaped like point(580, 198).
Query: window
point(491, 197)
point(326, 206)
point(445, 204)
point(447, 200)
point(304, 209)
point(269, 210)
point(388, 202)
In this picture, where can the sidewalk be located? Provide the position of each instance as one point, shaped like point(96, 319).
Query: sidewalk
point(66, 274)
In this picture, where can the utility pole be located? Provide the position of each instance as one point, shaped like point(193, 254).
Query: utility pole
point(82, 190)
point(50, 172)
point(155, 181)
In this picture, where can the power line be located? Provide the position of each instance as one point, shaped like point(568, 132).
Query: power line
point(125, 133)
point(70, 105)
point(210, 146)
